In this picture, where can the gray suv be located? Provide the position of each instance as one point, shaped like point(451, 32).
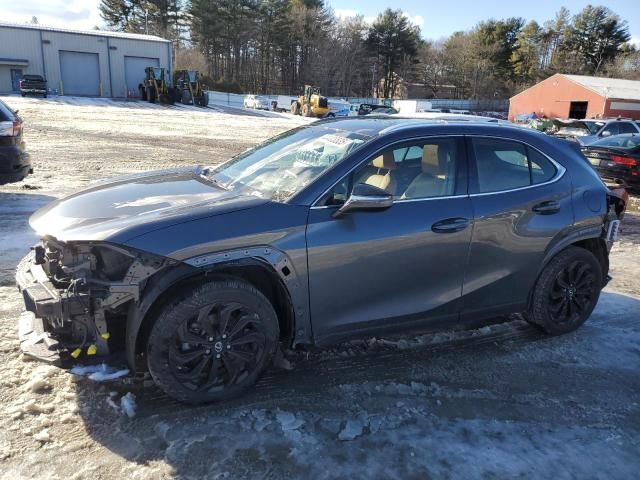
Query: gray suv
point(607, 128)
point(342, 228)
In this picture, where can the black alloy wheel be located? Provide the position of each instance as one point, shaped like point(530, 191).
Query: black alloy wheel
point(572, 292)
point(566, 292)
point(217, 349)
point(212, 342)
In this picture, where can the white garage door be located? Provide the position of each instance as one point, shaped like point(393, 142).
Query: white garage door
point(134, 72)
point(80, 73)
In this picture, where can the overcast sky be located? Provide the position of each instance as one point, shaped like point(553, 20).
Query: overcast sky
point(435, 20)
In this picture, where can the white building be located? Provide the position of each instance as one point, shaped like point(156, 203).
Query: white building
point(90, 63)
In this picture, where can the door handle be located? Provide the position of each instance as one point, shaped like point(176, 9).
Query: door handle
point(547, 208)
point(450, 225)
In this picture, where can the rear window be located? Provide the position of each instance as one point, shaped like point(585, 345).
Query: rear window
point(32, 77)
point(6, 113)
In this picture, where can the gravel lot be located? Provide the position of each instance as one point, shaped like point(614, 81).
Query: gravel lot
point(501, 401)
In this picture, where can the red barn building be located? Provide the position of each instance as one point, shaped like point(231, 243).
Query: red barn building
point(578, 96)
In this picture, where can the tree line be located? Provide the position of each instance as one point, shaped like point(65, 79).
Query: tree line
point(278, 46)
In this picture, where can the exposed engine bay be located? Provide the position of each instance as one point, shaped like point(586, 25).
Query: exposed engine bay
point(77, 297)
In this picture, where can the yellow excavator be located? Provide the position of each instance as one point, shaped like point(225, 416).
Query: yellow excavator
point(311, 104)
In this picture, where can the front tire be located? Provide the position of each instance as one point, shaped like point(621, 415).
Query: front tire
point(566, 292)
point(213, 342)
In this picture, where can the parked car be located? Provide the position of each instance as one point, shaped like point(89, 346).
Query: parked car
point(257, 101)
point(338, 109)
point(33, 85)
point(353, 227)
point(574, 129)
point(368, 108)
point(587, 131)
point(353, 110)
point(616, 159)
point(15, 163)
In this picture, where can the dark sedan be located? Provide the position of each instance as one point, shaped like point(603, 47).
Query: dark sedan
point(617, 159)
point(15, 163)
point(338, 229)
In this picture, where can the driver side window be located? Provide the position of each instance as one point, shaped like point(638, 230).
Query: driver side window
point(418, 169)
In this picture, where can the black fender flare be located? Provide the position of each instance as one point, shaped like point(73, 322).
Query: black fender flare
point(207, 265)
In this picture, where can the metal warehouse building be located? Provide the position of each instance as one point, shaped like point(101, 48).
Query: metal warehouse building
point(89, 63)
point(577, 96)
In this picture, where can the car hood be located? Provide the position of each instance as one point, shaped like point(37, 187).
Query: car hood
point(122, 208)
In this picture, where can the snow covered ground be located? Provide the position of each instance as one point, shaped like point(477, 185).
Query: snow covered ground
point(502, 401)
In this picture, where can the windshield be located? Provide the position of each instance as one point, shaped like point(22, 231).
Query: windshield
point(578, 127)
point(625, 141)
point(284, 165)
point(594, 126)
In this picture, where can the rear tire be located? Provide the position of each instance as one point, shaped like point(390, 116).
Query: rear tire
point(295, 108)
point(213, 342)
point(566, 292)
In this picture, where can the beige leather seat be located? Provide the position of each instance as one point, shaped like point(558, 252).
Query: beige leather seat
point(434, 181)
point(380, 173)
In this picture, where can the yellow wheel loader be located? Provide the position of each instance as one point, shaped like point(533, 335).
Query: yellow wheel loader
point(189, 88)
point(311, 104)
point(155, 86)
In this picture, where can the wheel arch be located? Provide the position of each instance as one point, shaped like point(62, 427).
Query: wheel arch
point(589, 239)
point(278, 282)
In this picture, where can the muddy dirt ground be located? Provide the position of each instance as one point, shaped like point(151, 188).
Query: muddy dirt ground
point(502, 401)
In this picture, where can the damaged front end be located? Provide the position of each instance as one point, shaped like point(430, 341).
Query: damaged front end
point(77, 296)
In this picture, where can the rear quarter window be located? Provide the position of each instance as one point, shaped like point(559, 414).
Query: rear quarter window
point(6, 114)
point(542, 170)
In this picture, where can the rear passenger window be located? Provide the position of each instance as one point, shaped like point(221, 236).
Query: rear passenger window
point(505, 165)
point(626, 128)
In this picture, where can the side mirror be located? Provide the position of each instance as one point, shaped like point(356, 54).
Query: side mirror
point(365, 197)
point(606, 133)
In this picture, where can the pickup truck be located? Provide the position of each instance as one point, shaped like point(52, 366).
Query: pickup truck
point(33, 85)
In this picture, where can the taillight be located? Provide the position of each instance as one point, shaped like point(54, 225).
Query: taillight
point(10, 129)
point(622, 160)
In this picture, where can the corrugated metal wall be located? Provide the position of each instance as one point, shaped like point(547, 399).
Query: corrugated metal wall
point(19, 44)
point(124, 47)
point(42, 50)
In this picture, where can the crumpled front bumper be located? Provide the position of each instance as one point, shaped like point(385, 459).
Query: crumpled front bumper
point(42, 300)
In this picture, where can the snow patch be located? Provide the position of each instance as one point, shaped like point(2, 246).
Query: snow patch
point(288, 420)
point(99, 373)
point(128, 405)
point(42, 436)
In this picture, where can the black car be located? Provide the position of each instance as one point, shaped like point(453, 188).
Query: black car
point(371, 108)
point(15, 163)
point(617, 159)
point(338, 229)
point(33, 85)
